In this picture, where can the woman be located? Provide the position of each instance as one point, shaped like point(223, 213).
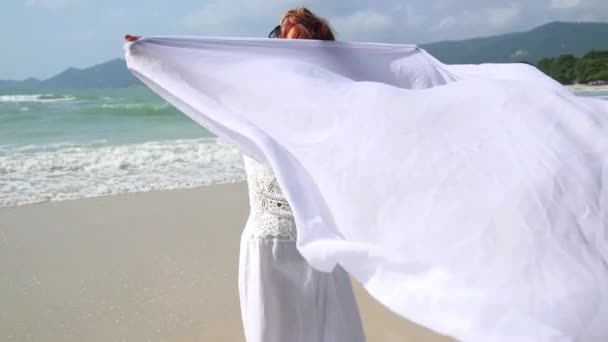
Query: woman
point(282, 297)
point(467, 198)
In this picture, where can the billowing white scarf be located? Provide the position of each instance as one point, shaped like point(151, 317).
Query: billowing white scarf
point(470, 199)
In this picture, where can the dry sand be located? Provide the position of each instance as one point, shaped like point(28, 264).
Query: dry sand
point(157, 266)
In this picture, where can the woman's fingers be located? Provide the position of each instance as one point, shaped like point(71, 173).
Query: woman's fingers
point(131, 38)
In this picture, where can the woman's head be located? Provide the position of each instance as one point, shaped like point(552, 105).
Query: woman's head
point(301, 23)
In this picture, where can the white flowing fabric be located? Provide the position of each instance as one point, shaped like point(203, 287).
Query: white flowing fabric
point(470, 199)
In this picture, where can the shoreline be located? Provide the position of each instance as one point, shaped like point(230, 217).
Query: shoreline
point(145, 266)
point(127, 193)
point(586, 87)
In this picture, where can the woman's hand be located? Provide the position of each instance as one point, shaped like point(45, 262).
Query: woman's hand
point(131, 38)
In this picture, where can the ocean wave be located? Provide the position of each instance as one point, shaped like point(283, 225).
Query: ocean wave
point(68, 171)
point(130, 109)
point(36, 98)
point(134, 106)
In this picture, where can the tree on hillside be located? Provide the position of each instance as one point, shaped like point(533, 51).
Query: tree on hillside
point(568, 69)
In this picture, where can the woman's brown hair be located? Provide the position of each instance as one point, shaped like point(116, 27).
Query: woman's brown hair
point(301, 23)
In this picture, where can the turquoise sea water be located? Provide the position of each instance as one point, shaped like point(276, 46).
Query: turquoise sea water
point(67, 144)
point(597, 93)
point(117, 116)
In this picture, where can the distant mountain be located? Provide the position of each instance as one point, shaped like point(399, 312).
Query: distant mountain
point(112, 74)
point(29, 83)
point(549, 40)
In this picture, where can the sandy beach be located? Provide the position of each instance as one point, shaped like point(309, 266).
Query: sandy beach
point(585, 87)
point(155, 266)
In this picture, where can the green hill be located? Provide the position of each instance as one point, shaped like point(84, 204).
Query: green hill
point(112, 74)
point(567, 69)
point(550, 40)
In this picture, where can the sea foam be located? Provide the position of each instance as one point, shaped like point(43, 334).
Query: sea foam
point(31, 174)
point(36, 98)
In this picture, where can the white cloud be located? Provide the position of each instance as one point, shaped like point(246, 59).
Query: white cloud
point(500, 17)
point(414, 21)
point(564, 3)
point(214, 15)
point(481, 22)
point(446, 23)
point(363, 23)
point(519, 54)
point(241, 17)
point(51, 3)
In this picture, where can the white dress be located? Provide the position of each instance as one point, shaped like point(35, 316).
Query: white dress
point(283, 299)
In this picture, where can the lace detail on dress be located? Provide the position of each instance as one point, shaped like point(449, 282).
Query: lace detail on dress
point(270, 210)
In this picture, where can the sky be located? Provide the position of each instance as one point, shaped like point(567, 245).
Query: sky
point(44, 37)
